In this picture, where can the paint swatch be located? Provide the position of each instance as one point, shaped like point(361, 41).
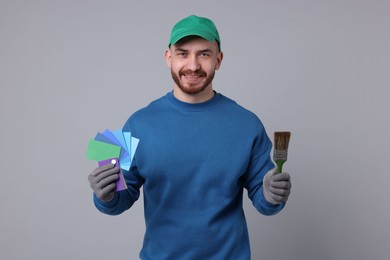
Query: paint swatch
point(111, 146)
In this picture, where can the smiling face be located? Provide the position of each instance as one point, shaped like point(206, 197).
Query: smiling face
point(193, 62)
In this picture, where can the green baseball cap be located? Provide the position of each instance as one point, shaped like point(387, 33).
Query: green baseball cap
point(195, 25)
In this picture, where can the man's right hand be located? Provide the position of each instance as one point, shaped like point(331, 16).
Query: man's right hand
point(102, 181)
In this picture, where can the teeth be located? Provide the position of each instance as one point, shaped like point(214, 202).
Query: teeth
point(192, 77)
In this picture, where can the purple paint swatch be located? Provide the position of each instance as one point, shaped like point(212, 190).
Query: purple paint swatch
point(120, 183)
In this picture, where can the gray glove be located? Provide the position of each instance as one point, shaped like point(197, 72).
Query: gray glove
point(276, 186)
point(102, 181)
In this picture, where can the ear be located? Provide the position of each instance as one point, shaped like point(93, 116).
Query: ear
point(168, 56)
point(219, 60)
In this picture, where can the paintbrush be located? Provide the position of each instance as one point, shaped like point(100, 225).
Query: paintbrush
point(281, 140)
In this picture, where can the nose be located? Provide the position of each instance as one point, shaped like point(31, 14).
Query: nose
point(193, 63)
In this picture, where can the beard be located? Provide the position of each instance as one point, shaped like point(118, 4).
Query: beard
point(192, 89)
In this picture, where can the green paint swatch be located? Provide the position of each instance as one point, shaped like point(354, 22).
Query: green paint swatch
point(99, 151)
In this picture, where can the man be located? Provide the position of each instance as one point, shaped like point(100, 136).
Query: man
point(198, 150)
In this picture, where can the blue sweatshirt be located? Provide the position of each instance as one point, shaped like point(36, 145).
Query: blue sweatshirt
point(193, 161)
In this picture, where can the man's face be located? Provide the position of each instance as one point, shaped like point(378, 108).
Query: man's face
point(193, 63)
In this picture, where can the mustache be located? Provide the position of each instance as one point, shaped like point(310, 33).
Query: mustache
point(193, 73)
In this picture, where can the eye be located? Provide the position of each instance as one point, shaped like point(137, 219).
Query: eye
point(182, 54)
point(205, 54)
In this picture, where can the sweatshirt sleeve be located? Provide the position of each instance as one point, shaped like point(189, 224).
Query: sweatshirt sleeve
point(260, 163)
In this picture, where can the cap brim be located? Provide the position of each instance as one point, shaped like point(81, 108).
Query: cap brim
point(204, 35)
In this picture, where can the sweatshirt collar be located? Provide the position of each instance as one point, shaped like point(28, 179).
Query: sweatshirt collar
point(194, 106)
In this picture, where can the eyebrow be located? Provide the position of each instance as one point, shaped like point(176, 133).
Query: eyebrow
point(179, 49)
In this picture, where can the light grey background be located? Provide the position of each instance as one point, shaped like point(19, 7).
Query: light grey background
point(317, 68)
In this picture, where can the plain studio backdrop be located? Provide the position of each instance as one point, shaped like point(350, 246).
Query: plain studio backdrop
point(319, 69)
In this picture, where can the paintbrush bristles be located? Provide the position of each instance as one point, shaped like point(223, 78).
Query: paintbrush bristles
point(281, 140)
